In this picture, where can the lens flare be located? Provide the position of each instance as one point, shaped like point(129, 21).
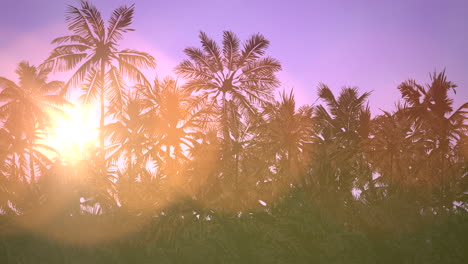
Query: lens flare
point(74, 131)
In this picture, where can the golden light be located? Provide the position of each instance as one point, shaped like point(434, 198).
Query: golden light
point(74, 132)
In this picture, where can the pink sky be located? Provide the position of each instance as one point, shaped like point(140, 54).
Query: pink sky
point(374, 45)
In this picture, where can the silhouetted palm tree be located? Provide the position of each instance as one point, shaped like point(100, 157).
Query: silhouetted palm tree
point(395, 150)
point(204, 167)
point(431, 109)
point(233, 76)
point(231, 82)
point(172, 122)
point(286, 136)
point(27, 106)
point(137, 187)
point(129, 143)
point(93, 48)
point(13, 164)
point(338, 136)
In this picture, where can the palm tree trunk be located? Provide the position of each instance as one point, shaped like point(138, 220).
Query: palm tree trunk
point(226, 137)
point(224, 120)
point(101, 122)
point(17, 168)
point(391, 169)
point(237, 172)
point(31, 163)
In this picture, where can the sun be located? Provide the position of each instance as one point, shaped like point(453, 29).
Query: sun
point(73, 132)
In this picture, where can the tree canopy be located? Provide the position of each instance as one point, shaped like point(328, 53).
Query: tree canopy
point(215, 165)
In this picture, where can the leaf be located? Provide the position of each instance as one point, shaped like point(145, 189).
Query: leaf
point(93, 17)
point(119, 21)
point(230, 49)
point(253, 48)
point(188, 70)
point(71, 38)
point(115, 90)
point(262, 67)
point(211, 48)
point(78, 23)
point(130, 71)
point(137, 58)
point(91, 88)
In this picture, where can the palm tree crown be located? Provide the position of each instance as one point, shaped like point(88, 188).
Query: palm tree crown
point(26, 108)
point(231, 77)
point(94, 48)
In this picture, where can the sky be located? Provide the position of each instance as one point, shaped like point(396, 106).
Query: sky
point(374, 45)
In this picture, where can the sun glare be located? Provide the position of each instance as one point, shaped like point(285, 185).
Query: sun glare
point(74, 132)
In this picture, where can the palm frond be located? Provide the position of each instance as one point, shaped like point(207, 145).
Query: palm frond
point(116, 88)
point(461, 113)
point(94, 18)
point(230, 49)
point(202, 60)
point(326, 94)
point(195, 85)
point(119, 21)
point(132, 72)
point(79, 24)
point(80, 74)
point(91, 88)
point(188, 70)
point(411, 92)
point(27, 75)
point(62, 60)
point(53, 86)
point(262, 67)
point(7, 84)
point(53, 99)
point(211, 48)
point(117, 132)
point(137, 58)
point(71, 48)
point(71, 38)
point(254, 48)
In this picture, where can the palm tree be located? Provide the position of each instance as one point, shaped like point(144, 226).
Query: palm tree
point(172, 122)
point(127, 137)
point(94, 49)
point(431, 109)
point(27, 105)
point(130, 147)
point(230, 78)
point(13, 160)
point(396, 148)
point(204, 167)
point(338, 140)
point(286, 136)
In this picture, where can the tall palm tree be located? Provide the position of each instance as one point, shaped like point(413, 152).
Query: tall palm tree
point(338, 137)
point(93, 50)
point(204, 166)
point(27, 105)
point(172, 121)
point(127, 137)
point(231, 76)
point(431, 108)
point(287, 135)
point(13, 162)
point(396, 148)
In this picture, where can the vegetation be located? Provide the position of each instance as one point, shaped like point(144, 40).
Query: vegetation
point(215, 169)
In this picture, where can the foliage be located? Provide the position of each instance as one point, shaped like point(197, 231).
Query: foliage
point(217, 170)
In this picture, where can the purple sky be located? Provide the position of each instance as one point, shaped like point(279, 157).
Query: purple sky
point(373, 44)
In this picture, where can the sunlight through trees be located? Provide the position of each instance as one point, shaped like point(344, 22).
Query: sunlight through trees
point(219, 156)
